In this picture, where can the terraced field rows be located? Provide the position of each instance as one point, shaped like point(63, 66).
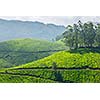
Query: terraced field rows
point(51, 76)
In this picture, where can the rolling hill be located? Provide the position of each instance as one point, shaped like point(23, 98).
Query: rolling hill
point(12, 29)
point(60, 67)
point(75, 66)
point(21, 51)
point(69, 68)
point(67, 60)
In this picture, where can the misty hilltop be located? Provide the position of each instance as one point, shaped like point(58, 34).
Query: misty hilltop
point(12, 29)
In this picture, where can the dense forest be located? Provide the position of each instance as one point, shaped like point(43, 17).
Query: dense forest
point(82, 35)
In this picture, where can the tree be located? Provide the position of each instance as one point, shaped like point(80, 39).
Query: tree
point(54, 66)
point(82, 35)
point(89, 34)
point(57, 74)
point(69, 36)
point(76, 35)
point(97, 37)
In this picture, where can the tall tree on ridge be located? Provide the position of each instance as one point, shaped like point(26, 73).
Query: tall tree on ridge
point(97, 37)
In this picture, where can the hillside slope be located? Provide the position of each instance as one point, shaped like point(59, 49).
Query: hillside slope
point(66, 59)
point(63, 67)
point(21, 51)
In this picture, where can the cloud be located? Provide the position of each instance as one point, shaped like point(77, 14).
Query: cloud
point(60, 20)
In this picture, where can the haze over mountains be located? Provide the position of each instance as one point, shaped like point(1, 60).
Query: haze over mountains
point(12, 29)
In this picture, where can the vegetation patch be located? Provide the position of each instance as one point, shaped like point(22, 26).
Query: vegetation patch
point(66, 59)
point(21, 51)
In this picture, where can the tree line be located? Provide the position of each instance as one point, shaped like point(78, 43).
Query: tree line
point(82, 35)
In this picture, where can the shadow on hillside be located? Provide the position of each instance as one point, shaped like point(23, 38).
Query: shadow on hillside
point(59, 78)
point(83, 50)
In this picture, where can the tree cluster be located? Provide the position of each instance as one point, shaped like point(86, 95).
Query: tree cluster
point(82, 35)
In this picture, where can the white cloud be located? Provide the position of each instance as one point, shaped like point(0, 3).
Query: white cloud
point(62, 20)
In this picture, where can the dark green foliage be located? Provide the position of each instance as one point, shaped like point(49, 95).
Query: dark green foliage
point(54, 66)
point(82, 35)
point(58, 76)
point(4, 63)
point(21, 51)
point(97, 37)
point(86, 50)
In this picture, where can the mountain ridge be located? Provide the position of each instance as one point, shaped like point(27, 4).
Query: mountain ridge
point(12, 29)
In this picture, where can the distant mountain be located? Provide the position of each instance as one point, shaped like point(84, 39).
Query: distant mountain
point(12, 29)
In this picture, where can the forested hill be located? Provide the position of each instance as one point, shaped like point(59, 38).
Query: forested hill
point(21, 51)
point(12, 29)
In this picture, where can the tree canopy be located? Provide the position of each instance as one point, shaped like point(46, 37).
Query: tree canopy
point(82, 35)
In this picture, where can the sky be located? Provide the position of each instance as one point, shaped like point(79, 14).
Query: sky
point(58, 20)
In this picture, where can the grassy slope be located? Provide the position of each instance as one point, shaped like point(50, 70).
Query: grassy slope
point(21, 46)
point(65, 59)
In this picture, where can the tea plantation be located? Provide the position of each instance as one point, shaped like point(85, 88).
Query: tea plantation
point(61, 67)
